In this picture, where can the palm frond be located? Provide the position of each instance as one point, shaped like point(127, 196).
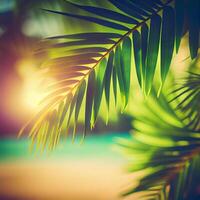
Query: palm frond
point(164, 145)
point(100, 56)
point(188, 96)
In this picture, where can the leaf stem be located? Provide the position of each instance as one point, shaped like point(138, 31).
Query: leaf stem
point(119, 41)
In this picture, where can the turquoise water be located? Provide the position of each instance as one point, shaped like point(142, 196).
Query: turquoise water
point(94, 146)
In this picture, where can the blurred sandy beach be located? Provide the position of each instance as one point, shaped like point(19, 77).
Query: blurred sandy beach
point(73, 172)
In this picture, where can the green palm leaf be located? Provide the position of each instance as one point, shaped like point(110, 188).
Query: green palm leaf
point(78, 57)
point(165, 143)
point(188, 97)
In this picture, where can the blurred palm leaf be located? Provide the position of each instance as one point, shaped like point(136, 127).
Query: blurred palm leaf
point(165, 146)
point(100, 56)
point(188, 96)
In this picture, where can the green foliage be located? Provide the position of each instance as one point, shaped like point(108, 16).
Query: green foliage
point(166, 137)
point(189, 102)
point(165, 143)
point(147, 28)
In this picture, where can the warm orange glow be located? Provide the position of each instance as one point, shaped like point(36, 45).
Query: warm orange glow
point(34, 87)
point(32, 90)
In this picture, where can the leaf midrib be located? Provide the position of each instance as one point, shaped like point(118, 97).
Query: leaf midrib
point(119, 42)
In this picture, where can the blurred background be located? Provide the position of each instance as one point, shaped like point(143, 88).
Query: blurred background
point(22, 25)
point(91, 171)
